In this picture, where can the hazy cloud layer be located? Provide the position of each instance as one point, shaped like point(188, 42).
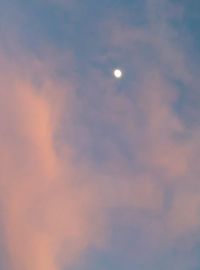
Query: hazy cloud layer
point(90, 164)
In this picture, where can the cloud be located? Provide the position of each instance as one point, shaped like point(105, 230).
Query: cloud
point(48, 211)
point(143, 133)
point(74, 149)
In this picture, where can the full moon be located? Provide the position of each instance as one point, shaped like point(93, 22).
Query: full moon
point(117, 73)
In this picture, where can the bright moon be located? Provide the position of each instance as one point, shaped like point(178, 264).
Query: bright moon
point(117, 73)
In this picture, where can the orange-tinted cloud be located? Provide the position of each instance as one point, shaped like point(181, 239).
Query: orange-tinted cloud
point(48, 212)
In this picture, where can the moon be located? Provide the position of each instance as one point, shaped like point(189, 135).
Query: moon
point(117, 73)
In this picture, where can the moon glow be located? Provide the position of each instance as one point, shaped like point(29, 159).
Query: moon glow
point(117, 73)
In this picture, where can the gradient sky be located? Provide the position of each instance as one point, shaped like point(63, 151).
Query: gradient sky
point(98, 173)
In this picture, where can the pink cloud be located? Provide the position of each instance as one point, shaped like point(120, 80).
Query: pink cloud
point(48, 212)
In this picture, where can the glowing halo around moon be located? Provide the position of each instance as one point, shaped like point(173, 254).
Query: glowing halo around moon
point(117, 73)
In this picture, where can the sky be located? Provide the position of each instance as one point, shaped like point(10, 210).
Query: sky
point(99, 173)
